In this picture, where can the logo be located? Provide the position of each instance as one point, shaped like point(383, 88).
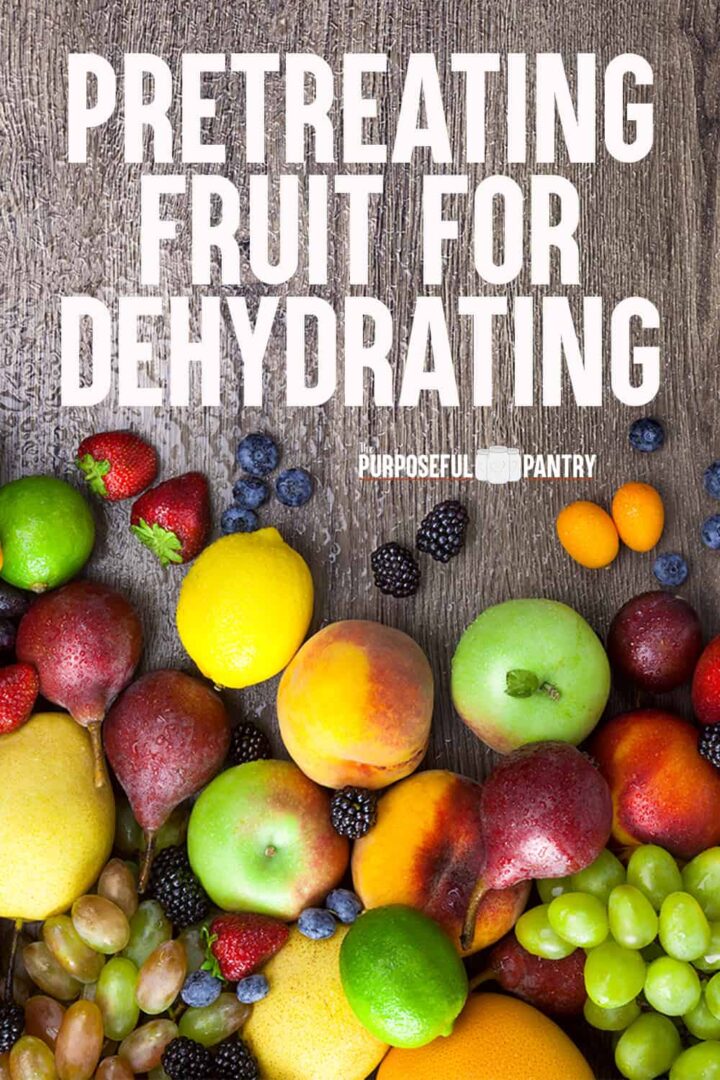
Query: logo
point(494, 465)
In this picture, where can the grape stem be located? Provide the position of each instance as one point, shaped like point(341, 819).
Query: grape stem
point(10, 970)
point(147, 859)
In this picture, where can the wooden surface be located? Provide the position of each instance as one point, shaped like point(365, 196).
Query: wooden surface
point(649, 229)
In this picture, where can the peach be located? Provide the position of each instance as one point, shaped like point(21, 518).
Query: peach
point(663, 792)
point(427, 850)
point(355, 705)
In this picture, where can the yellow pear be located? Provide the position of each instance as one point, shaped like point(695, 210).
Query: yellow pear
point(56, 826)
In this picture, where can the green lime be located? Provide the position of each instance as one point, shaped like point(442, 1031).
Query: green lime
point(402, 976)
point(46, 532)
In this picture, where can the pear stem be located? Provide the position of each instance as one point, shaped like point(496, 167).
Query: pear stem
point(146, 864)
point(97, 749)
point(468, 930)
point(10, 970)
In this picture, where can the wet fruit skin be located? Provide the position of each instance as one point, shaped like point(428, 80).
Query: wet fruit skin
point(654, 641)
point(427, 850)
point(355, 705)
point(663, 792)
point(555, 986)
point(706, 684)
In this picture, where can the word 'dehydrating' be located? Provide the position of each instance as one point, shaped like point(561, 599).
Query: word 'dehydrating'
point(260, 215)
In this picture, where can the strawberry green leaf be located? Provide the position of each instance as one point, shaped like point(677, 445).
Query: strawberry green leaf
point(93, 471)
point(162, 542)
point(210, 963)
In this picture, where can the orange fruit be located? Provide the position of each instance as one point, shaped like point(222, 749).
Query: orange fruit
point(639, 515)
point(494, 1037)
point(588, 534)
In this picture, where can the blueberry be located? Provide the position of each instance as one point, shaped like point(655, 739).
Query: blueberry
point(345, 905)
point(711, 532)
point(670, 569)
point(250, 492)
point(316, 923)
point(236, 519)
point(201, 988)
point(257, 454)
point(711, 477)
point(646, 435)
point(253, 988)
point(294, 487)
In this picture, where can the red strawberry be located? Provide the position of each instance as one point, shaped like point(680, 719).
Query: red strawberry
point(173, 519)
point(706, 684)
point(241, 943)
point(19, 687)
point(117, 464)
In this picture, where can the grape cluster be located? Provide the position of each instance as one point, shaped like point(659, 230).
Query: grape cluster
point(108, 975)
point(651, 933)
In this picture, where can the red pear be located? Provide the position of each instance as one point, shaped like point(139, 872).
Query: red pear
point(85, 641)
point(554, 986)
point(547, 812)
point(165, 738)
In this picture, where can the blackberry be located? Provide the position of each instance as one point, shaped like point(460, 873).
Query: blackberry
point(234, 1061)
point(353, 811)
point(12, 1023)
point(395, 571)
point(176, 888)
point(709, 744)
point(249, 743)
point(442, 532)
point(185, 1059)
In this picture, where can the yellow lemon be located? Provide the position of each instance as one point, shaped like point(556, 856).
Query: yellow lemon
point(245, 607)
point(305, 1029)
point(56, 827)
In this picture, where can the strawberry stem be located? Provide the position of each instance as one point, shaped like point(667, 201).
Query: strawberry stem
point(93, 472)
point(162, 542)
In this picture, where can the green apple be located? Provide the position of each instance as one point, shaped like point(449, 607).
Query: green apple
point(260, 839)
point(528, 671)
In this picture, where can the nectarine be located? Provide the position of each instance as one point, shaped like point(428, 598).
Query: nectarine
point(355, 705)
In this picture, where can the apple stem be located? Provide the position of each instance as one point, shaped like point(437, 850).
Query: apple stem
point(523, 684)
point(97, 749)
point(468, 930)
point(147, 859)
point(10, 970)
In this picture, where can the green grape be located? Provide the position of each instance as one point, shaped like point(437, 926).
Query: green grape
point(172, 833)
point(700, 1062)
point(144, 1047)
point(614, 976)
point(116, 998)
point(672, 986)
point(611, 1019)
point(128, 834)
point(701, 878)
point(70, 951)
point(31, 1059)
point(711, 960)
point(702, 1023)
point(158, 1074)
point(117, 883)
point(79, 1042)
point(115, 1068)
point(654, 872)
point(149, 927)
point(100, 924)
point(210, 1024)
point(633, 922)
point(161, 977)
point(684, 930)
point(600, 877)
point(535, 934)
point(648, 1048)
point(192, 941)
point(550, 887)
point(712, 995)
point(579, 918)
point(43, 1017)
point(45, 972)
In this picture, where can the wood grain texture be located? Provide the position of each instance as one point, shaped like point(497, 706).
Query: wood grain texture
point(649, 229)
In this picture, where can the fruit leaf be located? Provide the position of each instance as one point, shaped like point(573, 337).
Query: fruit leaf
point(521, 683)
point(93, 471)
point(210, 963)
point(162, 542)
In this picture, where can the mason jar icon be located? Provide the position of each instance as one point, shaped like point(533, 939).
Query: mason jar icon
point(498, 465)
